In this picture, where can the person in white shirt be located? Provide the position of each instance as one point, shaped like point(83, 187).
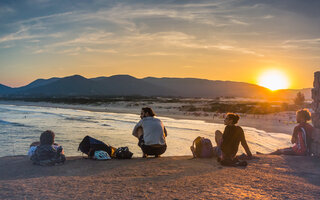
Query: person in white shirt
point(151, 133)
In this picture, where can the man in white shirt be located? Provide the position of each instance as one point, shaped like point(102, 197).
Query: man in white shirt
point(151, 133)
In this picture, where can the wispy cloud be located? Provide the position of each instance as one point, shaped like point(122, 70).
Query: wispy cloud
point(304, 41)
point(24, 34)
point(98, 37)
point(45, 17)
point(222, 25)
point(235, 21)
point(108, 51)
point(268, 17)
point(5, 10)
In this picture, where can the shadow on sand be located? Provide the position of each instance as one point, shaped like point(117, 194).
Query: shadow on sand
point(305, 167)
point(20, 167)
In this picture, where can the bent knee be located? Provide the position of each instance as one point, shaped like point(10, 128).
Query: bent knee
point(218, 132)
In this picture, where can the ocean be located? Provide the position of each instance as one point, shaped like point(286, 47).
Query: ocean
point(22, 125)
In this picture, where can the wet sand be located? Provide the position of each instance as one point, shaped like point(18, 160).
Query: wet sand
point(270, 177)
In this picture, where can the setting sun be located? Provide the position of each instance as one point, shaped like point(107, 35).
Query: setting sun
point(273, 80)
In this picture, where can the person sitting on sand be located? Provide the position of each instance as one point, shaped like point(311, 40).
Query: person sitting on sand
point(151, 133)
point(34, 146)
point(301, 134)
point(46, 153)
point(228, 142)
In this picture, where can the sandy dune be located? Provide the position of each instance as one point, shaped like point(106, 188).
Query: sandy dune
point(270, 177)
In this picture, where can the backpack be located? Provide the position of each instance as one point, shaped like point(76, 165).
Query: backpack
point(300, 148)
point(89, 145)
point(123, 153)
point(203, 147)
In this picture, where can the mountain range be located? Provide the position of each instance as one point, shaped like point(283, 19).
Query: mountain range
point(125, 85)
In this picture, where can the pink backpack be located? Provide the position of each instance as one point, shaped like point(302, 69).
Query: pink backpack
point(300, 148)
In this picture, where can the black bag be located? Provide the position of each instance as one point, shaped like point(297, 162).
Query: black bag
point(123, 153)
point(89, 145)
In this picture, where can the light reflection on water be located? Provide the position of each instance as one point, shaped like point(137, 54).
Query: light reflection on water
point(21, 125)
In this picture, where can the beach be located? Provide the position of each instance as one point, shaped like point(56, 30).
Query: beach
point(168, 177)
point(209, 99)
point(270, 177)
point(22, 124)
point(283, 122)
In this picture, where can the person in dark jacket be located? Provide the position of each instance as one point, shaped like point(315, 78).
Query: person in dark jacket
point(46, 153)
point(231, 138)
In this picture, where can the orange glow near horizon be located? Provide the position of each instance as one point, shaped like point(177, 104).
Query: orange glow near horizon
point(273, 80)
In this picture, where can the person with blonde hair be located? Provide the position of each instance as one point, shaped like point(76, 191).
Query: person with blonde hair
point(301, 136)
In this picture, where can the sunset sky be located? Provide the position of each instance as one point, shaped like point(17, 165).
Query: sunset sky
point(218, 40)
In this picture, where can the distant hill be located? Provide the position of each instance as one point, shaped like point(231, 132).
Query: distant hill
point(125, 85)
point(4, 89)
point(191, 87)
point(38, 83)
point(119, 85)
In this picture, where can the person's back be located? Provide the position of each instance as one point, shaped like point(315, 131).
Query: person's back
point(46, 153)
point(232, 137)
point(308, 128)
point(153, 131)
point(301, 144)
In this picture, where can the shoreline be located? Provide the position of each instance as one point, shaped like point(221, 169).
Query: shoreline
point(274, 123)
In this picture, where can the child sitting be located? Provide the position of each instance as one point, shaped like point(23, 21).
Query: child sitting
point(46, 153)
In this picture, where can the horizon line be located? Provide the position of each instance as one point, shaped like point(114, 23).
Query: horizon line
point(8, 85)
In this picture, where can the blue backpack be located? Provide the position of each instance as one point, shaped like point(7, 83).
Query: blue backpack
point(203, 147)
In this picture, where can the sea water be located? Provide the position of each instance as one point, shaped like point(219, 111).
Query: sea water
point(22, 125)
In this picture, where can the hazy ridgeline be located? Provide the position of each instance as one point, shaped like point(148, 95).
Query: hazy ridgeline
point(128, 86)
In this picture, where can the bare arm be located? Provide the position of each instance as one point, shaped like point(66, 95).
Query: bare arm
point(245, 145)
point(246, 148)
point(192, 149)
point(135, 129)
point(165, 131)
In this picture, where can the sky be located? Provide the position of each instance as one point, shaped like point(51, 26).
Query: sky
point(235, 40)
